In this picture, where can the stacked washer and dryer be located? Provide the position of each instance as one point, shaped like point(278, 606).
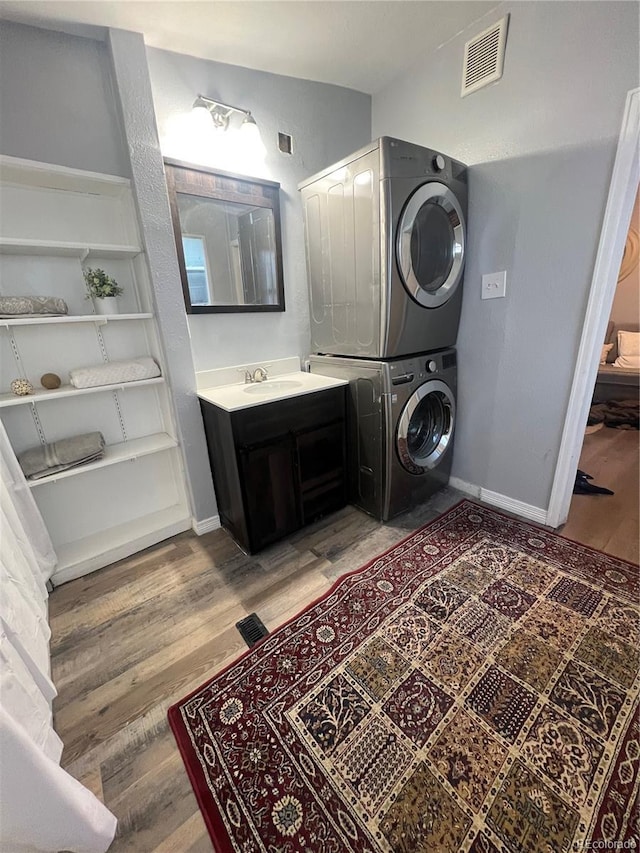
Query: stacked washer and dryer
point(385, 237)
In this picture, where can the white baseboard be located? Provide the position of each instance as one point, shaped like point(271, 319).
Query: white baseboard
point(533, 513)
point(206, 525)
point(467, 488)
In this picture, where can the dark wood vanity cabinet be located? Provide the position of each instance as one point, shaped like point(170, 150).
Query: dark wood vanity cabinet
point(277, 466)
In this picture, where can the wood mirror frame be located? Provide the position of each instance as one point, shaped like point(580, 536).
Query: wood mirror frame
point(232, 192)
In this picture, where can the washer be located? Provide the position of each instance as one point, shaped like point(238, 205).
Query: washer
point(385, 233)
point(401, 423)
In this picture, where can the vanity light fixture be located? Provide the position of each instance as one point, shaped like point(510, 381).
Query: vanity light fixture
point(221, 114)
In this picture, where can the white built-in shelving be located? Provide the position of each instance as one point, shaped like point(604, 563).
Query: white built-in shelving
point(55, 221)
point(44, 394)
point(100, 319)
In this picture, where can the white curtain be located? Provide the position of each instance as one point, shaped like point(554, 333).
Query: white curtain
point(42, 808)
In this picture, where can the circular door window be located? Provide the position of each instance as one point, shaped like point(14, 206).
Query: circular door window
point(425, 428)
point(430, 244)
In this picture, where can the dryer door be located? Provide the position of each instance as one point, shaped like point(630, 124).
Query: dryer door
point(430, 244)
point(425, 427)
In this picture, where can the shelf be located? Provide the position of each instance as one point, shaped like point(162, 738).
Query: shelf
point(115, 453)
point(54, 248)
point(42, 395)
point(71, 318)
point(106, 547)
point(33, 173)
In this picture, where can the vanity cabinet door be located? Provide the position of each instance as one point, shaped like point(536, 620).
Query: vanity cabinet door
point(268, 479)
point(321, 455)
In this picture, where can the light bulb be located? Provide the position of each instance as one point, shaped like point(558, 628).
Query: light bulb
point(200, 119)
point(251, 136)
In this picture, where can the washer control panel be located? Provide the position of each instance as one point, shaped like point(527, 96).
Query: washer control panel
point(414, 370)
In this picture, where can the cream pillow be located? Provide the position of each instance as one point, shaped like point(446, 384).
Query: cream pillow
point(628, 350)
point(606, 349)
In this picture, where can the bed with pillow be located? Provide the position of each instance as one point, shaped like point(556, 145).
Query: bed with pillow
point(619, 371)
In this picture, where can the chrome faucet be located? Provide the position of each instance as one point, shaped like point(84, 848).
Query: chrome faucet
point(260, 374)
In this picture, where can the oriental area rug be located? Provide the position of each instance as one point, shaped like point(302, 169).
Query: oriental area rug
point(473, 689)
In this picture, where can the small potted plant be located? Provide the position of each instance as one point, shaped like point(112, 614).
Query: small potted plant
point(102, 289)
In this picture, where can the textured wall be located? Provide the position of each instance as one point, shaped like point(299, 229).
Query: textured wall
point(57, 103)
point(326, 122)
point(138, 122)
point(540, 143)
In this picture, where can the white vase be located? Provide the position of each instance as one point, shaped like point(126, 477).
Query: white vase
point(106, 305)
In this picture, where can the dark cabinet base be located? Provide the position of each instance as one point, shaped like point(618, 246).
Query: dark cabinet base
point(278, 466)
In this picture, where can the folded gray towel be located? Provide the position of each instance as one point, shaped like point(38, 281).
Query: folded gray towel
point(18, 306)
point(61, 455)
point(114, 372)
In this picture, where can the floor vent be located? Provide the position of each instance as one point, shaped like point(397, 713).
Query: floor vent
point(251, 629)
point(484, 57)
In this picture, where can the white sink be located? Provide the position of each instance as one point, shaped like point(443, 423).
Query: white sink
point(272, 386)
point(231, 395)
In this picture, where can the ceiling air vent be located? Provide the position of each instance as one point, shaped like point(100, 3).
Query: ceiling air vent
point(484, 57)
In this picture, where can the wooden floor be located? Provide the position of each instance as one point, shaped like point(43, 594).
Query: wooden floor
point(609, 522)
point(135, 637)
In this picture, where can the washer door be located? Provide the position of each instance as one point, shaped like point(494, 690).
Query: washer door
point(425, 427)
point(430, 244)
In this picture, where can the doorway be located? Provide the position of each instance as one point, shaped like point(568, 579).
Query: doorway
point(610, 456)
point(622, 194)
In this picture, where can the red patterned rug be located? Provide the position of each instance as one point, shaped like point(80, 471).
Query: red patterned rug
point(473, 689)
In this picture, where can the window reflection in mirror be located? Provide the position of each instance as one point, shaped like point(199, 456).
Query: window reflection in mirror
point(227, 230)
point(195, 252)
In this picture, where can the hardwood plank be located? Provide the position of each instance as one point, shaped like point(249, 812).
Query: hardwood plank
point(122, 771)
point(93, 781)
point(132, 693)
point(191, 836)
point(153, 808)
point(97, 659)
point(609, 522)
point(103, 606)
point(137, 735)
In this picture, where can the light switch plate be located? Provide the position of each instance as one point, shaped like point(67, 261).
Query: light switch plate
point(494, 285)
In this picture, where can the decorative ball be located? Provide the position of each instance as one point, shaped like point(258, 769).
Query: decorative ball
point(21, 387)
point(50, 381)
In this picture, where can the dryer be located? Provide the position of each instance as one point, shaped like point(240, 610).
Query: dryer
point(401, 423)
point(385, 233)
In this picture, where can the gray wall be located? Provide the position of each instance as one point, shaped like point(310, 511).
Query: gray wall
point(57, 101)
point(540, 143)
point(326, 122)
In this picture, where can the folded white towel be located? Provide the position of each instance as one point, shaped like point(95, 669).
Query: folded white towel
point(114, 373)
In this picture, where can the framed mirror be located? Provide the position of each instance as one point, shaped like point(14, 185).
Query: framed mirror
point(228, 239)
